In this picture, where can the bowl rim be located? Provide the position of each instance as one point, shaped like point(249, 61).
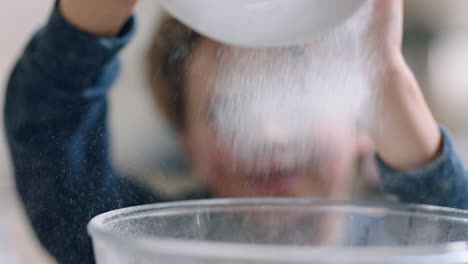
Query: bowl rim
point(201, 20)
point(295, 254)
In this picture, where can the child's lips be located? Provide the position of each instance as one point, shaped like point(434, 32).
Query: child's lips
point(276, 179)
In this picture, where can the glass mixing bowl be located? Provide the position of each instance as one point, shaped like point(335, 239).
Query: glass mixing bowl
point(280, 231)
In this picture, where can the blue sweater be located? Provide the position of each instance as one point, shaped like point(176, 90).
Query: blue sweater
point(55, 119)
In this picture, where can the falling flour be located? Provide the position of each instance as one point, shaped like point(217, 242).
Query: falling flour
point(286, 105)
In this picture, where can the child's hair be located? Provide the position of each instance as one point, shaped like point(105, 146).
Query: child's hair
point(169, 53)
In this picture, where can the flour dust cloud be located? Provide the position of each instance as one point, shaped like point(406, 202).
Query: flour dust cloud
point(292, 105)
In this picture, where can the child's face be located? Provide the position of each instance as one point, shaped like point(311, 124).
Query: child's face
point(228, 176)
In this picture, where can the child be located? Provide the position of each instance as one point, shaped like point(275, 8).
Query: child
point(55, 117)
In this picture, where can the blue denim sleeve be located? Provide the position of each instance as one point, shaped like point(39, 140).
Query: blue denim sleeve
point(444, 182)
point(55, 119)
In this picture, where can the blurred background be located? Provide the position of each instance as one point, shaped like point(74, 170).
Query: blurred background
point(436, 47)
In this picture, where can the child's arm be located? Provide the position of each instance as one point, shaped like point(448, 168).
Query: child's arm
point(416, 158)
point(405, 133)
point(103, 18)
point(55, 118)
point(442, 182)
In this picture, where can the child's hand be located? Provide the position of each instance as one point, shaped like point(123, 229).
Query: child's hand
point(386, 27)
point(99, 17)
point(405, 134)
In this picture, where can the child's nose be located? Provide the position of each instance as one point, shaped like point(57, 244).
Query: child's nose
point(275, 133)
